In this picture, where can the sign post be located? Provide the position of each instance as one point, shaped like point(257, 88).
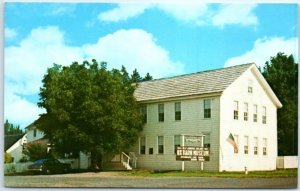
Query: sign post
point(182, 163)
point(202, 139)
point(191, 150)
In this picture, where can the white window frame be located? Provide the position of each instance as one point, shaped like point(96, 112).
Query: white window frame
point(236, 110)
point(246, 111)
point(265, 147)
point(175, 108)
point(141, 145)
point(264, 115)
point(209, 109)
point(255, 147)
point(246, 145)
point(255, 113)
point(163, 145)
point(35, 132)
point(158, 111)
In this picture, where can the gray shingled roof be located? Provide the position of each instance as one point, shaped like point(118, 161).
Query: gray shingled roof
point(191, 84)
point(10, 140)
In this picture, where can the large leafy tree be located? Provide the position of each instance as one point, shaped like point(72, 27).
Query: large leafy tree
point(89, 109)
point(281, 72)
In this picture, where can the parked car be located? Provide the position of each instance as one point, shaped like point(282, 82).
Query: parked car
point(47, 166)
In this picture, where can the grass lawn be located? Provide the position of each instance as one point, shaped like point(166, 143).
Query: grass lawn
point(251, 174)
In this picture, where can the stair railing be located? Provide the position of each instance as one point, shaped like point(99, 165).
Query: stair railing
point(125, 161)
point(134, 158)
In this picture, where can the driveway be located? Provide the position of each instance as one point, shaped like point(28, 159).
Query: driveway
point(114, 180)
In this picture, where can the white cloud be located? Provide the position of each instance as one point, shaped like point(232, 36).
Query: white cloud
point(123, 12)
point(26, 63)
point(61, 9)
point(187, 12)
point(25, 66)
point(263, 49)
point(19, 110)
point(10, 33)
point(134, 48)
point(235, 14)
point(196, 13)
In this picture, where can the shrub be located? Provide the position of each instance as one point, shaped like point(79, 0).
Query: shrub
point(8, 158)
point(36, 150)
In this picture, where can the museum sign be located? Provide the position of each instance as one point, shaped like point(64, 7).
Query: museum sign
point(189, 153)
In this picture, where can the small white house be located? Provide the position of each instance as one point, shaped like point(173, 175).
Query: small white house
point(14, 145)
point(213, 105)
point(33, 133)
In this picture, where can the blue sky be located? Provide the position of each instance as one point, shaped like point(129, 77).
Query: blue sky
point(162, 39)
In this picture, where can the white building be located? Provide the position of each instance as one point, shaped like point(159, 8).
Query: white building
point(235, 100)
point(34, 134)
point(14, 145)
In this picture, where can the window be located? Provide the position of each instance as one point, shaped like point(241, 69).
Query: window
point(176, 142)
point(160, 144)
point(34, 133)
point(246, 145)
point(236, 139)
point(264, 115)
point(254, 113)
point(177, 111)
point(207, 108)
point(245, 111)
point(142, 145)
point(206, 140)
point(264, 146)
point(150, 151)
point(255, 145)
point(250, 90)
point(250, 86)
point(143, 109)
point(161, 114)
point(236, 110)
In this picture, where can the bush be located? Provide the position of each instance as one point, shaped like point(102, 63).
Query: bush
point(23, 159)
point(36, 150)
point(8, 158)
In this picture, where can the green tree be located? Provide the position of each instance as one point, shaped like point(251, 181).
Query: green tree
point(89, 109)
point(8, 158)
point(147, 77)
point(135, 76)
point(281, 72)
point(36, 150)
point(10, 129)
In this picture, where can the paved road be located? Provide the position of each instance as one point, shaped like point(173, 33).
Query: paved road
point(105, 180)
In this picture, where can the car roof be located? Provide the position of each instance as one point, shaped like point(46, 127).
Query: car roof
point(40, 161)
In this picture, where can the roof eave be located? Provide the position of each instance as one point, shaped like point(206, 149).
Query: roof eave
point(185, 97)
point(266, 86)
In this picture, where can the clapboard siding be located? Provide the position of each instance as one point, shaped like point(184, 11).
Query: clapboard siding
point(223, 86)
point(192, 123)
point(238, 91)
